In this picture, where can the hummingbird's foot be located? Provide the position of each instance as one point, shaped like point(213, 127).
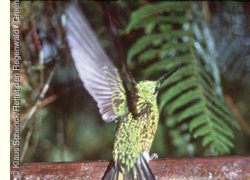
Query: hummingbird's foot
point(154, 156)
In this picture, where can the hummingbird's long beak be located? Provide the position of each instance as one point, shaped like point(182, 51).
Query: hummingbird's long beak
point(166, 76)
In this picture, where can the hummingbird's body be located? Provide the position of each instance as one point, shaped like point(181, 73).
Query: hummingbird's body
point(135, 135)
point(137, 123)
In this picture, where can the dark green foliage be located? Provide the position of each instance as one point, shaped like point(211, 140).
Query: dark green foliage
point(189, 97)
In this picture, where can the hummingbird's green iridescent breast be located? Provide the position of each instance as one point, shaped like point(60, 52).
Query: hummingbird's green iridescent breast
point(148, 111)
point(134, 136)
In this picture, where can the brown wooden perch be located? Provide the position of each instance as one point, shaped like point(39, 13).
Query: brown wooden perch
point(237, 168)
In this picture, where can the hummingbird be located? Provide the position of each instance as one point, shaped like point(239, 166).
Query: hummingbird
point(136, 113)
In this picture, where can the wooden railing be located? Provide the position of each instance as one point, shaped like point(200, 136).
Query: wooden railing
point(237, 168)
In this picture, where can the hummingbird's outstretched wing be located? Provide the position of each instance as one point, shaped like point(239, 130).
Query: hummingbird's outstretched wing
point(98, 74)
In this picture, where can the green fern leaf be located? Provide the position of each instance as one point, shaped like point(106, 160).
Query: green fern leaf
point(189, 96)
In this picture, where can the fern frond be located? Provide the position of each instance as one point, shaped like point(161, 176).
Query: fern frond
point(189, 96)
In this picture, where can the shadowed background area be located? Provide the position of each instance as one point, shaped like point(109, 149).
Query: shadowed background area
point(66, 124)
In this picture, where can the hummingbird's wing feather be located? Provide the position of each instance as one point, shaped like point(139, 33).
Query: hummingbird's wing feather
point(98, 74)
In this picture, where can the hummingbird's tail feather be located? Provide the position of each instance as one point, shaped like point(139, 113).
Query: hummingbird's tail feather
point(112, 172)
point(141, 171)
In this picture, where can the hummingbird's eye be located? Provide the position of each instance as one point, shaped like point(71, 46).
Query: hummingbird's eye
point(155, 90)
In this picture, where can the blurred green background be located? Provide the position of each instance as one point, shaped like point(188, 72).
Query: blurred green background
point(67, 125)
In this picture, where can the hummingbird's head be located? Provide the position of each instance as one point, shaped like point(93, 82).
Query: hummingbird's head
point(148, 89)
